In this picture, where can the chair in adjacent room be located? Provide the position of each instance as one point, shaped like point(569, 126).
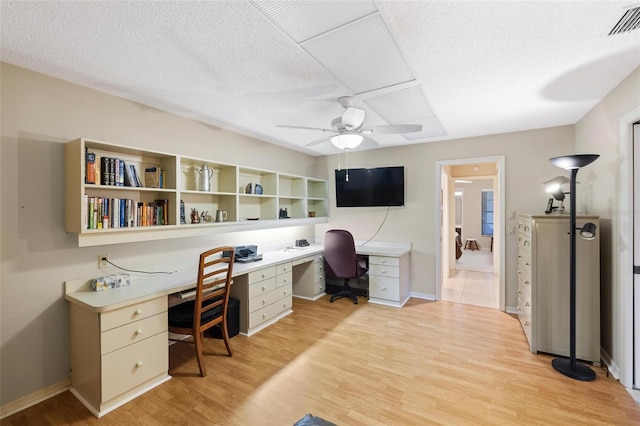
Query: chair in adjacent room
point(342, 262)
point(209, 308)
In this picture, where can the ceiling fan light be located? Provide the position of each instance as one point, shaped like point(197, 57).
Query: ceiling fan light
point(346, 140)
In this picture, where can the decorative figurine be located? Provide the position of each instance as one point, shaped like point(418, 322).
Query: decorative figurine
point(194, 216)
point(203, 216)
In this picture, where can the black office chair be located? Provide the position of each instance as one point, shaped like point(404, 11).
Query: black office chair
point(341, 261)
point(209, 308)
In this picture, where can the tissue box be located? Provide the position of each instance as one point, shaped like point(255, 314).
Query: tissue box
point(110, 281)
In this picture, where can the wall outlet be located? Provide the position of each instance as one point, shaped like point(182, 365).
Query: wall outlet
point(102, 260)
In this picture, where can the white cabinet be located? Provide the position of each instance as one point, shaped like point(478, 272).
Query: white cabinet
point(309, 280)
point(389, 280)
point(250, 198)
point(265, 296)
point(118, 354)
point(543, 286)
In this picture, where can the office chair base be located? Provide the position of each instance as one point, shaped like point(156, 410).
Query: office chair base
point(344, 293)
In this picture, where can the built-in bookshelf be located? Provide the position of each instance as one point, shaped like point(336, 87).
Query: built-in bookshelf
point(117, 194)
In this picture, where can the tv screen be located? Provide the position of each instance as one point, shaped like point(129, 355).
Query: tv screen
point(376, 187)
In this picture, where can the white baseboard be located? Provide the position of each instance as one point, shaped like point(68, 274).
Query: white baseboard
point(426, 296)
point(34, 398)
point(612, 367)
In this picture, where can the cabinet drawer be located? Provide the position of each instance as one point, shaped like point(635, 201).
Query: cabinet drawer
point(524, 263)
point(262, 274)
point(524, 243)
point(132, 332)
point(263, 300)
point(384, 271)
point(318, 288)
point(318, 267)
point(318, 277)
point(284, 279)
point(134, 312)
point(383, 260)
point(283, 268)
point(524, 227)
point(262, 287)
point(384, 288)
point(133, 365)
point(268, 312)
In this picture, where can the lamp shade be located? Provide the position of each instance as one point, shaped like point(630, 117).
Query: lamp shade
point(569, 162)
point(588, 231)
point(346, 140)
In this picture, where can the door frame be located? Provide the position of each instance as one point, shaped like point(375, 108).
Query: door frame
point(499, 242)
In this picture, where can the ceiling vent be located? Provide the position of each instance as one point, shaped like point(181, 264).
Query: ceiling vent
point(629, 21)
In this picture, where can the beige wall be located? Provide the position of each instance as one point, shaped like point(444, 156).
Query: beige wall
point(526, 167)
point(39, 113)
point(605, 190)
point(471, 211)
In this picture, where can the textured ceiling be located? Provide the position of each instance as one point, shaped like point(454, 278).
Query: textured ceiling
point(461, 69)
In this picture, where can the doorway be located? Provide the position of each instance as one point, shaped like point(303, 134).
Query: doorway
point(470, 256)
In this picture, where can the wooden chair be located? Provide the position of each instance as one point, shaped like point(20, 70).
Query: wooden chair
point(209, 308)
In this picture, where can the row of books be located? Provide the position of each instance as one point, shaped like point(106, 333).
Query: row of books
point(103, 213)
point(110, 171)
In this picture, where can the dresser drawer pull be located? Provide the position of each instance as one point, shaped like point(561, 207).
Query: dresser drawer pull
point(139, 364)
point(138, 312)
point(138, 331)
point(284, 280)
point(384, 271)
point(519, 291)
point(527, 323)
point(384, 289)
point(284, 292)
point(263, 288)
point(527, 282)
point(383, 261)
point(518, 307)
point(264, 302)
point(527, 304)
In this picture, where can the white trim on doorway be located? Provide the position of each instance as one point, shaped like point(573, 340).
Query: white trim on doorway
point(499, 242)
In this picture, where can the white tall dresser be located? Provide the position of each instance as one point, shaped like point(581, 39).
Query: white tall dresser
point(543, 285)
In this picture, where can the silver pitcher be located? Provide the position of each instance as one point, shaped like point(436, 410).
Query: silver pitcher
point(204, 182)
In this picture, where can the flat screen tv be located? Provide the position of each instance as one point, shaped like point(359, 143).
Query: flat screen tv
point(376, 187)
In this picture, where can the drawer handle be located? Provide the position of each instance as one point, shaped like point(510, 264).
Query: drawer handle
point(527, 282)
point(527, 323)
point(519, 291)
point(284, 305)
point(138, 331)
point(527, 304)
point(284, 268)
point(139, 312)
point(284, 280)
point(284, 292)
point(139, 364)
point(264, 302)
point(384, 271)
point(384, 289)
point(263, 275)
point(263, 288)
point(384, 261)
point(264, 316)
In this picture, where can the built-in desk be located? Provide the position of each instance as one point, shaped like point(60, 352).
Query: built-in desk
point(119, 336)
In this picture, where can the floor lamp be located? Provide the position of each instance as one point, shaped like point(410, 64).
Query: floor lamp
point(569, 367)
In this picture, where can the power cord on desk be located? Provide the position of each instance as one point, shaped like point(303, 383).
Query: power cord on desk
point(140, 272)
point(379, 228)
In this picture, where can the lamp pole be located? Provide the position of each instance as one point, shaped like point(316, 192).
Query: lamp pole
point(570, 367)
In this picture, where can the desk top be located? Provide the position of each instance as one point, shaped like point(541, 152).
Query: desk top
point(146, 287)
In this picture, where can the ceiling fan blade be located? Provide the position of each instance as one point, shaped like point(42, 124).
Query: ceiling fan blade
point(392, 129)
point(319, 141)
point(304, 128)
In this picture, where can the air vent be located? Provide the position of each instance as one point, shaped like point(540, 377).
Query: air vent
point(629, 21)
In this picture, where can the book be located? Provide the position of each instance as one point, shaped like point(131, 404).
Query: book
point(104, 168)
point(129, 179)
point(90, 171)
point(152, 177)
point(136, 176)
point(112, 171)
point(98, 167)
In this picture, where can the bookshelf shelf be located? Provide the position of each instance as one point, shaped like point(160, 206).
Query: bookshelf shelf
point(244, 194)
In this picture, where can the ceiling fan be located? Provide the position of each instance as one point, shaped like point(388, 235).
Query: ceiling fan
point(347, 131)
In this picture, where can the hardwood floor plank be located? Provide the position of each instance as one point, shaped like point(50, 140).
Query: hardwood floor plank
point(427, 363)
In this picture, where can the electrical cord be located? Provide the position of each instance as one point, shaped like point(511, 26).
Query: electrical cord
point(379, 228)
point(140, 272)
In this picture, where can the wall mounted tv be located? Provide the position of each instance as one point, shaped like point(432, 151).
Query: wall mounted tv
point(376, 187)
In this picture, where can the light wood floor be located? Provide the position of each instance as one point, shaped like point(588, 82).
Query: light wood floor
point(427, 363)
